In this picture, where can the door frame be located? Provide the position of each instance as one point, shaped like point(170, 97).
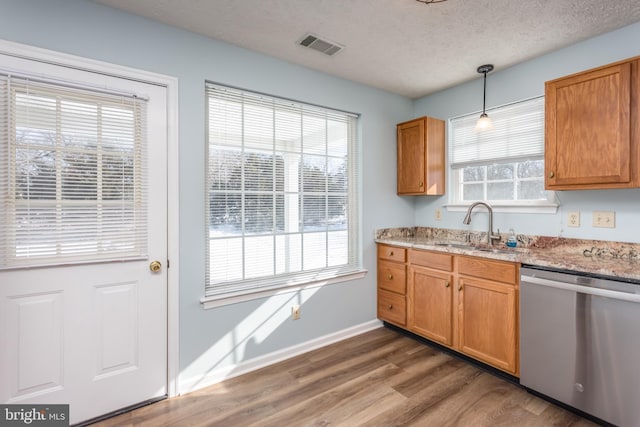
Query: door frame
point(171, 85)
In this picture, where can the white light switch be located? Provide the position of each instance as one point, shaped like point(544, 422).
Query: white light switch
point(604, 219)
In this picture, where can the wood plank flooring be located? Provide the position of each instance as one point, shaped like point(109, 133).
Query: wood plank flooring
point(380, 378)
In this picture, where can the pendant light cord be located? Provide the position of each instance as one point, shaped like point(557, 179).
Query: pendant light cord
point(484, 94)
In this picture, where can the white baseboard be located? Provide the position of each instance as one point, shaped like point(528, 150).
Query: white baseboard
point(192, 384)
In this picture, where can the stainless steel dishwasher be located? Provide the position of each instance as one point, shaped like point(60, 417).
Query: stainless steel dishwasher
point(580, 342)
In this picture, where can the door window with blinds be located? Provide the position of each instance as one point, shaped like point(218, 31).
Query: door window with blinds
point(504, 165)
point(72, 187)
point(281, 202)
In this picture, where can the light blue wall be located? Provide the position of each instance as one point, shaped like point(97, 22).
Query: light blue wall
point(218, 338)
point(523, 81)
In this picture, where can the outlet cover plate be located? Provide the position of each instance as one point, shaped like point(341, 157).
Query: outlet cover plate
point(573, 219)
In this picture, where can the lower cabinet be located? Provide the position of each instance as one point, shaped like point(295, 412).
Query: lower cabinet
point(488, 328)
point(466, 303)
point(430, 296)
point(392, 285)
point(488, 302)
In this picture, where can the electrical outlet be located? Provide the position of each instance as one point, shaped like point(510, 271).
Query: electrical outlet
point(438, 214)
point(295, 312)
point(604, 219)
point(573, 219)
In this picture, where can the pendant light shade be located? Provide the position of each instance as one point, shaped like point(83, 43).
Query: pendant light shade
point(484, 122)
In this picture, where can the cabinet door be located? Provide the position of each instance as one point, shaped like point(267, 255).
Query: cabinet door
point(411, 154)
point(430, 300)
point(488, 322)
point(421, 162)
point(589, 139)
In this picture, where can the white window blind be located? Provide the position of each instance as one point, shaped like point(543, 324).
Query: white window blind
point(72, 183)
point(281, 202)
point(518, 134)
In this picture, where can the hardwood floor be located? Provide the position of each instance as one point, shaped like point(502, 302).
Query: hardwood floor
point(380, 378)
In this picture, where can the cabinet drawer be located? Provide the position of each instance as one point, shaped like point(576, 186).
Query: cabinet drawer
point(437, 260)
point(501, 271)
point(392, 253)
point(392, 307)
point(392, 276)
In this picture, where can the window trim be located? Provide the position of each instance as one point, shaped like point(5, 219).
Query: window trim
point(209, 302)
point(249, 289)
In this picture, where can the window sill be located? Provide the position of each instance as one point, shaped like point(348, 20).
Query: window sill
point(238, 297)
point(541, 208)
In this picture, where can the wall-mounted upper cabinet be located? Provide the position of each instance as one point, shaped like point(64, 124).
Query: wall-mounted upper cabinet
point(592, 128)
point(421, 162)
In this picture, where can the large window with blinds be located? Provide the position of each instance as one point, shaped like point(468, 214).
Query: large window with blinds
point(281, 202)
point(504, 165)
point(72, 187)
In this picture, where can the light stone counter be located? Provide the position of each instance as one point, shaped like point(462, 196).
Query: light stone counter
point(615, 259)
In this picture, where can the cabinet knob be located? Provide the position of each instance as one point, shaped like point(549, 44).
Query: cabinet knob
point(447, 284)
point(390, 253)
point(421, 184)
point(390, 276)
point(390, 306)
point(460, 288)
point(551, 174)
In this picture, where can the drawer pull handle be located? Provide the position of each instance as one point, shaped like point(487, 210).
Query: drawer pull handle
point(390, 306)
point(390, 276)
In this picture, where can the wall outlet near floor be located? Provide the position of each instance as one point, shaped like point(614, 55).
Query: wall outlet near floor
point(438, 214)
point(295, 312)
point(604, 219)
point(573, 219)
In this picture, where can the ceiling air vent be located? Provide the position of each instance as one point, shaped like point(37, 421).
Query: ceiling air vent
point(321, 45)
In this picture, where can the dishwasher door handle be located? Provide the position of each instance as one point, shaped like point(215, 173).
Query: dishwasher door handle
point(624, 296)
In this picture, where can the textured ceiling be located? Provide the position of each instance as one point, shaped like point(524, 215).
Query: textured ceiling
point(401, 46)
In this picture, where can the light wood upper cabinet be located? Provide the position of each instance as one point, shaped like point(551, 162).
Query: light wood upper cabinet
point(592, 129)
point(421, 161)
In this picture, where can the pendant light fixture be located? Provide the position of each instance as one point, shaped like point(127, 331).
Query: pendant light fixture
point(484, 122)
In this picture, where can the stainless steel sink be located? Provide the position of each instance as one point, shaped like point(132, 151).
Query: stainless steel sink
point(456, 245)
point(476, 247)
point(494, 250)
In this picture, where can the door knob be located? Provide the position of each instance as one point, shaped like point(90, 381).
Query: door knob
point(155, 266)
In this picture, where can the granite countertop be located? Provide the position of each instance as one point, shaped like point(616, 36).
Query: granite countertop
point(614, 259)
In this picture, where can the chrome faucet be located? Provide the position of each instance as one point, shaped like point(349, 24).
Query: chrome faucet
point(467, 220)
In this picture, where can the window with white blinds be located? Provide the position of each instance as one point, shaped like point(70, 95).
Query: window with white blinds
point(281, 201)
point(502, 165)
point(518, 133)
point(72, 183)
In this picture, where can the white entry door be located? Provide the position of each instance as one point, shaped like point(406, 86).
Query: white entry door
point(83, 318)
